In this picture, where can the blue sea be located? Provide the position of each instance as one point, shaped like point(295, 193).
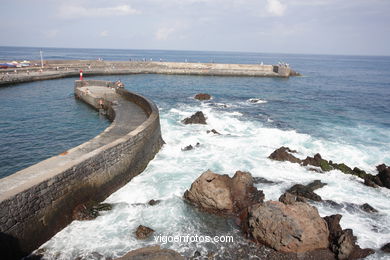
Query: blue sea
point(338, 108)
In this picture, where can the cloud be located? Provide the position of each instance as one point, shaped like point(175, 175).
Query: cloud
point(275, 7)
point(51, 33)
point(78, 11)
point(163, 33)
point(103, 33)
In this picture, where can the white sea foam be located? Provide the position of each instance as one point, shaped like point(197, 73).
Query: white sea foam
point(256, 101)
point(243, 145)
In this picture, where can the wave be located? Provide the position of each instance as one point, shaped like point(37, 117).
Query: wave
point(243, 145)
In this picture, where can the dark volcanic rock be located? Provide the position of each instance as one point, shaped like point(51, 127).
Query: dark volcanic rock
point(288, 228)
point(318, 162)
point(386, 248)
point(343, 242)
point(213, 131)
point(143, 232)
point(384, 175)
point(368, 208)
point(102, 207)
point(257, 180)
point(84, 212)
point(187, 148)
point(222, 195)
point(190, 147)
point(307, 191)
point(154, 202)
point(370, 183)
point(197, 118)
point(202, 96)
point(284, 154)
point(152, 253)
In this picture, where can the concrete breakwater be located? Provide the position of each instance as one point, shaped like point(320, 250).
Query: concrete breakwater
point(37, 202)
point(69, 68)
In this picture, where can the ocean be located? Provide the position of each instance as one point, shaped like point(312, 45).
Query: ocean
point(338, 108)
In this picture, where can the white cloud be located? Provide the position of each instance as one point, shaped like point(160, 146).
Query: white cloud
point(78, 11)
point(164, 32)
point(275, 7)
point(104, 33)
point(51, 33)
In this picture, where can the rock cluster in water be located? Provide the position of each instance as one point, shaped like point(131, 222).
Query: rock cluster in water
point(289, 225)
point(382, 179)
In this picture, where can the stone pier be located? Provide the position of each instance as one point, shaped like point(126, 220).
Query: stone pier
point(37, 202)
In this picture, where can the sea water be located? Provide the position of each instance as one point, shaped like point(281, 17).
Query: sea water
point(339, 108)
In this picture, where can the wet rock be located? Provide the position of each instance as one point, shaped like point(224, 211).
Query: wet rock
point(288, 228)
point(202, 96)
point(84, 212)
point(386, 248)
point(143, 232)
point(384, 175)
point(102, 207)
point(154, 202)
point(196, 255)
point(370, 183)
point(368, 208)
point(318, 162)
point(288, 198)
point(222, 195)
point(213, 131)
point(197, 118)
point(190, 147)
point(307, 191)
point(342, 167)
point(343, 242)
point(187, 148)
point(257, 180)
point(152, 253)
point(284, 154)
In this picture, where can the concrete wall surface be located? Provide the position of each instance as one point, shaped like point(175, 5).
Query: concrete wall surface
point(37, 202)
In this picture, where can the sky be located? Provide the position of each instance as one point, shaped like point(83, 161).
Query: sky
point(347, 27)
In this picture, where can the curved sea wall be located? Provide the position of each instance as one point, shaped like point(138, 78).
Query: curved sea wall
point(37, 202)
point(70, 68)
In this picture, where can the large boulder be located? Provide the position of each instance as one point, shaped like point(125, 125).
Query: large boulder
point(293, 228)
point(152, 253)
point(197, 118)
point(202, 96)
point(384, 175)
point(284, 154)
point(143, 232)
point(222, 195)
point(343, 242)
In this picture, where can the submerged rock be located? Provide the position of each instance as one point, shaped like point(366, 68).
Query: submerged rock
point(257, 180)
point(288, 228)
point(368, 208)
point(202, 96)
point(190, 147)
point(222, 195)
point(84, 212)
point(213, 131)
point(143, 232)
point(152, 253)
point(197, 118)
point(343, 242)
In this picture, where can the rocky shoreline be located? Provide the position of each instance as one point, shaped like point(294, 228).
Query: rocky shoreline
point(288, 228)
